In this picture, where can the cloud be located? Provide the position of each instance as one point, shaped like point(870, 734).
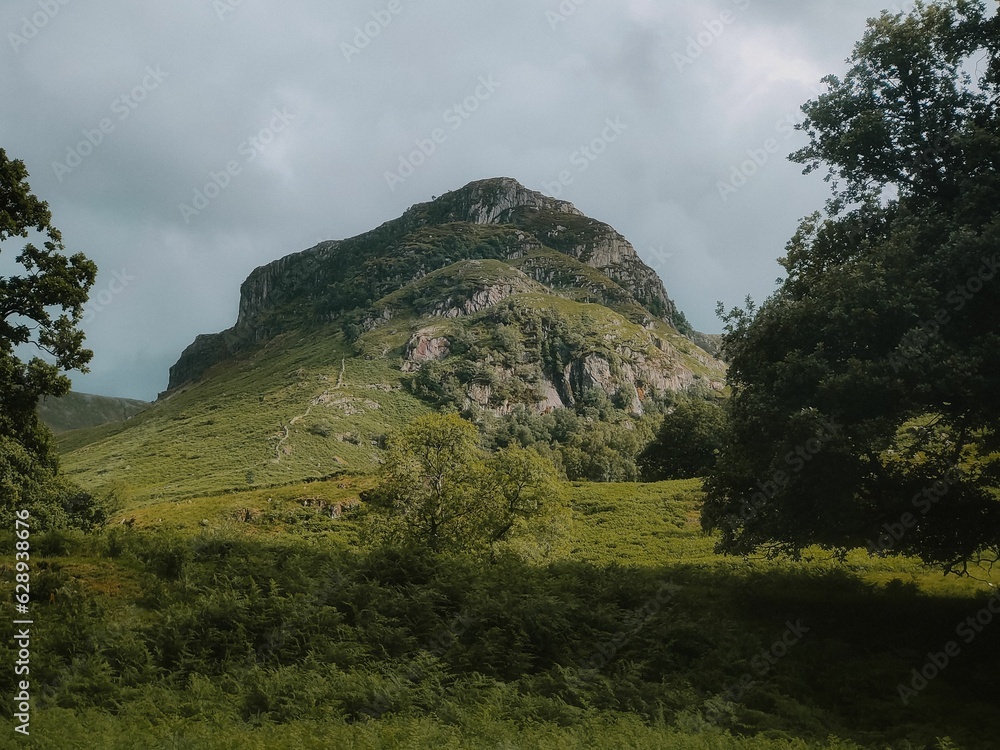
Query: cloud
point(353, 116)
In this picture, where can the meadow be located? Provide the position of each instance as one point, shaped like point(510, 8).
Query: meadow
point(259, 619)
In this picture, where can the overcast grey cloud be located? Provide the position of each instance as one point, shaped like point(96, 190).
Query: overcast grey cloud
point(182, 144)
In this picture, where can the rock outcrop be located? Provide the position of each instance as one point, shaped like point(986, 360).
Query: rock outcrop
point(493, 201)
point(425, 346)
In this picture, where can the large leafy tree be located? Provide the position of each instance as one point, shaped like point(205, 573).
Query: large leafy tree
point(40, 310)
point(439, 490)
point(866, 390)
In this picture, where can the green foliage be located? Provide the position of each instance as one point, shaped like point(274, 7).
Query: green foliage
point(441, 491)
point(428, 483)
point(52, 283)
point(630, 637)
point(477, 730)
point(687, 443)
point(83, 509)
point(595, 441)
point(888, 317)
point(29, 481)
point(906, 115)
point(603, 451)
point(520, 486)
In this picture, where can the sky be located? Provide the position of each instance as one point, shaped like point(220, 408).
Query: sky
point(180, 145)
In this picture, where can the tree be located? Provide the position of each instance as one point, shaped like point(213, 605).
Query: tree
point(441, 491)
point(686, 443)
point(40, 309)
point(518, 485)
point(865, 408)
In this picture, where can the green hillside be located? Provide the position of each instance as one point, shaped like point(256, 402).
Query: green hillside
point(309, 404)
point(301, 407)
point(365, 277)
point(488, 300)
point(75, 411)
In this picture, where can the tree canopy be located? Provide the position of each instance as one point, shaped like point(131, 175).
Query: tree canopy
point(39, 309)
point(686, 443)
point(441, 491)
point(865, 403)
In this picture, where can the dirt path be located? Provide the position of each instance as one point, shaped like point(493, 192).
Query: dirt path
point(315, 400)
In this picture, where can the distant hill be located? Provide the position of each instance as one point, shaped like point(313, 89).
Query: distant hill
point(488, 299)
point(76, 410)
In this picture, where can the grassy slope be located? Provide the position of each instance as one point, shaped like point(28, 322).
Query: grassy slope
point(227, 432)
point(870, 622)
point(79, 410)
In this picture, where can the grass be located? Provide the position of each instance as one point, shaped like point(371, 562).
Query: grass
point(184, 564)
point(296, 508)
point(77, 410)
point(70, 730)
point(228, 432)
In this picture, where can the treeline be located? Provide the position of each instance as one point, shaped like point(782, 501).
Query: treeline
point(595, 441)
point(676, 437)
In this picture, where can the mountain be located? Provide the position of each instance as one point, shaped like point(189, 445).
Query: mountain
point(456, 256)
point(488, 299)
point(77, 410)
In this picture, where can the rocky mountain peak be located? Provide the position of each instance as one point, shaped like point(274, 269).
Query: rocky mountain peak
point(492, 201)
point(457, 254)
